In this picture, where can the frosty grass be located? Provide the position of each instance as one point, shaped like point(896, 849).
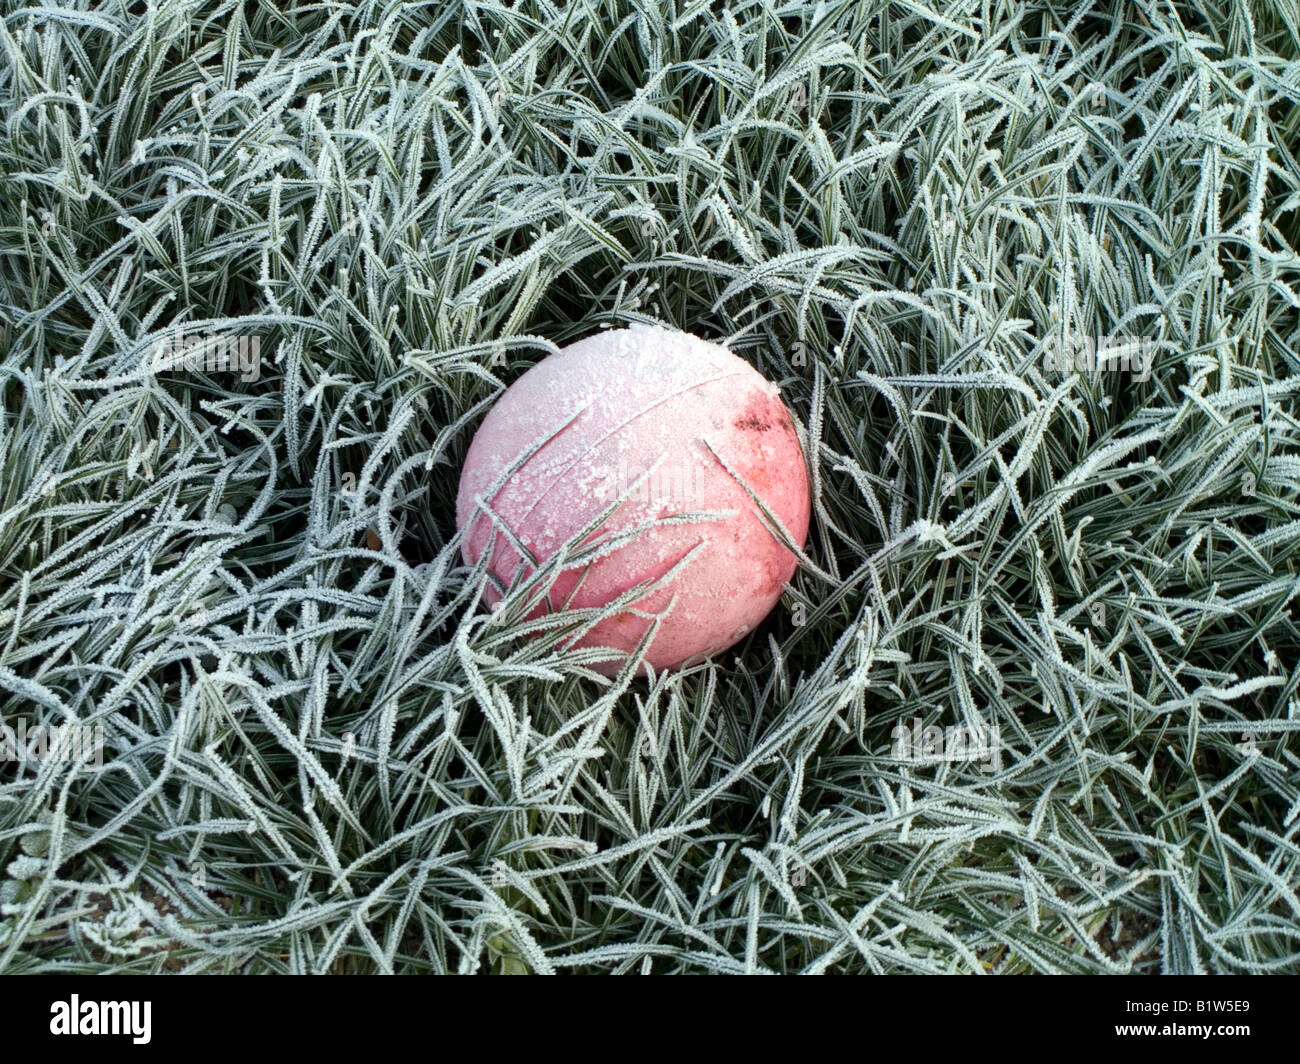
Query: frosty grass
point(1025, 272)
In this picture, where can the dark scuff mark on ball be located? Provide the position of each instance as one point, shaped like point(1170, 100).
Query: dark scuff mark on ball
point(755, 418)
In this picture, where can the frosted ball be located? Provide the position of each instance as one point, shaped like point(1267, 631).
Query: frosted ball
point(654, 417)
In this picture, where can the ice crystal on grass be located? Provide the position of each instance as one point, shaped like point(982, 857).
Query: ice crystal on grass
point(323, 753)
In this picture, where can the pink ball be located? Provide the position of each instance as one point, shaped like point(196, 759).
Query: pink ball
point(637, 410)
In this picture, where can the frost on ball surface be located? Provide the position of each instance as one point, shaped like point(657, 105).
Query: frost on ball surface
point(644, 406)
